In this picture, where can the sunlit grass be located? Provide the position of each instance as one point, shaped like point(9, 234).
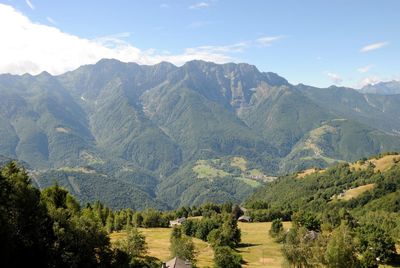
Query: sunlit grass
point(259, 249)
point(158, 245)
point(353, 193)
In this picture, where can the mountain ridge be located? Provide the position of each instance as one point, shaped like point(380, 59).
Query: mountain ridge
point(145, 126)
point(382, 88)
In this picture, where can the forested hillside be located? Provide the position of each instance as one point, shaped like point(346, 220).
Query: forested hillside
point(347, 215)
point(366, 185)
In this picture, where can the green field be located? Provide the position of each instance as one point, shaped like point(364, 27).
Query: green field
point(239, 162)
point(257, 247)
point(158, 242)
point(205, 171)
point(259, 250)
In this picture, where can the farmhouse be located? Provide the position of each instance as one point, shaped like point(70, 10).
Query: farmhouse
point(177, 263)
point(244, 219)
point(177, 222)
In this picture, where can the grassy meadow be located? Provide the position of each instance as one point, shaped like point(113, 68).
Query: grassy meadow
point(257, 247)
point(353, 193)
point(158, 242)
point(381, 164)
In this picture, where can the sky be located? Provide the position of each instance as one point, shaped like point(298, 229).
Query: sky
point(315, 42)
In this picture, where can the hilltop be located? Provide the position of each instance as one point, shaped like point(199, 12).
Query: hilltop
point(367, 185)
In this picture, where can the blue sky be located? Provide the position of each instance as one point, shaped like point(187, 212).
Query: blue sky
point(342, 42)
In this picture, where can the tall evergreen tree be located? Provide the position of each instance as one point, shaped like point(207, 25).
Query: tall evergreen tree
point(25, 231)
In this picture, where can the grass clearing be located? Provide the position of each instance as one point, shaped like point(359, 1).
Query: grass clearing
point(256, 173)
point(385, 162)
point(158, 242)
point(259, 249)
point(205, 171)
point(382, 164)
point(239, 162)
point(353, 193)
point(77, 169)
point(306, 172)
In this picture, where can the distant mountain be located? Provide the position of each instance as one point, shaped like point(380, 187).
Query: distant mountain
point(383, 88)
point(133, 135)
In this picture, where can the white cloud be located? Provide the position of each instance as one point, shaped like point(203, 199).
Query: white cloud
point(199, 5)
point(374, 79)
point(336, 79)
point(51, 20)
point(374, 46)
point(365, 69)
point(268, 40)
point(217, 54)
point(207, 53)
point(369, 80)
point(113, 39)
point(29, 47)
point(29, 3)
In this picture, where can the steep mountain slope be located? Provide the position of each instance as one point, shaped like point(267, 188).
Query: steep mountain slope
point(124, 188)
point(283, 115)
point(377, 111)
point(42, 121)
point(109, 92)
point(123, 132)
point(336, 140)
point(198, 112)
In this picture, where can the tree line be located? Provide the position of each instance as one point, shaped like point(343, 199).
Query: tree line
point(342, 242)
point(50, 228)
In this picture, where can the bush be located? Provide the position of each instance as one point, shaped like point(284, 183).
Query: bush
point(182, 246)
point(375, 244)
point(225, 257)
point(276, 230)
point(340, 251)
point(134, 244)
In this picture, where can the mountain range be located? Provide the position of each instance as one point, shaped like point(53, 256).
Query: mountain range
point(165, 136)
point(383, 88)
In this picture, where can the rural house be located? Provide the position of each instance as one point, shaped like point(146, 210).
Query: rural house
point(177, 263)
point(177, 222)
point(244, 219)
